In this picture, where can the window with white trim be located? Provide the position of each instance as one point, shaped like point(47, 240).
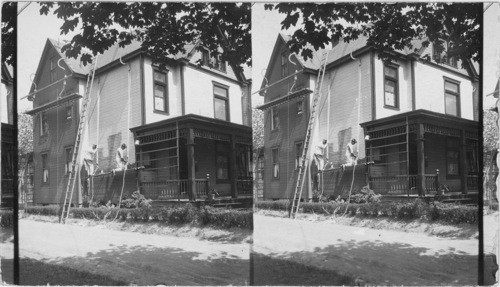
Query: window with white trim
point(276, 163)
point(160, 91)
point(391, 97)
point(275, 119)
point(452, 97)
point(45, 168)
point(221, 102)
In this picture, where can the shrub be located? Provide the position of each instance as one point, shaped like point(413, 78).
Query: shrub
point(43, 210)
point(6, 218)
point(227, 218)
point(365, 195)
point(183, 214)
point(136, 200)
point(98, 213)
point(282, 204)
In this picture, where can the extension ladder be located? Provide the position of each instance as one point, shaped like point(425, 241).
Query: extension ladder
point(70, 186)
point(304, 161)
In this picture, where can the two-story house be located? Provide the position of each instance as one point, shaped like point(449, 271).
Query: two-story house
point(186, 126)
point(415, 117)
point(7, 135)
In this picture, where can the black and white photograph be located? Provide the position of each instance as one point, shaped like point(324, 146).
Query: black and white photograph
point(250, 143)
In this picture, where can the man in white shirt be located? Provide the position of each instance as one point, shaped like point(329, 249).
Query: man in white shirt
point(121, 162)
point(350, 153)
point(88, 159)
point(320, 155)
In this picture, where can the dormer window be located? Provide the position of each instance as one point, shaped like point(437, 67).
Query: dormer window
point(441, 55)
point(212, 62)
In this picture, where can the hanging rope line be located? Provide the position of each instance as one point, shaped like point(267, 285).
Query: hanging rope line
point(357, 132)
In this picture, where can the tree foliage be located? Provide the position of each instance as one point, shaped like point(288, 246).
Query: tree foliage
point(24, 134)
point(388, 27)
point(258, 128)
point(163, 28)
point(9, 14)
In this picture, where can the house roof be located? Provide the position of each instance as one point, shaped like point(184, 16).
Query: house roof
point(115, 52)
point(343, 49)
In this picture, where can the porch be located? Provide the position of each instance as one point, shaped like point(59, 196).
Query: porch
point(422, 153)
point(189, 158)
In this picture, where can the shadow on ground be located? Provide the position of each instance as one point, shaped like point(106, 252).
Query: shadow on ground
point(375, 262)
point(33, 272)
point(149, 265)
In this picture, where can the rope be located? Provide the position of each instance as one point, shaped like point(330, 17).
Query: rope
point(121, 193)
point(357, 134)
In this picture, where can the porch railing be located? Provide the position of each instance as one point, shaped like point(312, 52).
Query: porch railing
point(402, 184)
point(172, 189)
point(244, 186)
point(472, 183)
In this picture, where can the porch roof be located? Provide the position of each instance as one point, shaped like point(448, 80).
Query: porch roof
point(426, 117)
point(196, 122)
point(55, 103)
point(284, 99)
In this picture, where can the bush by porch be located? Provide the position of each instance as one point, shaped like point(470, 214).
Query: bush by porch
point(407, 210)
point(182, 214)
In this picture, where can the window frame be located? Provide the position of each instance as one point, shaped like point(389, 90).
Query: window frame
point(396, 81)
point(283, 64)
point(45, 167)
point(52, 69)
point(458, 163)
point(275, 162)
point(226, 99)
point(298, 152)
point(166, 105)
point(67, 160)
point(222, 152)
point(275, 124)
point(299, 107)
point(43, 115)
point(457, 95)
point(66, 113)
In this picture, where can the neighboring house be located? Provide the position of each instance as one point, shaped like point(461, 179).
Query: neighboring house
point(7, 135)
point(411, 117)
point(182, 124)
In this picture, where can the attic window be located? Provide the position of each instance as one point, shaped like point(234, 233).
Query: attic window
point(442, 56)
point(284, 66)
point(212, 62)
point(52, 69)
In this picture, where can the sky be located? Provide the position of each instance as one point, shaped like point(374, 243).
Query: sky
point(34, 30)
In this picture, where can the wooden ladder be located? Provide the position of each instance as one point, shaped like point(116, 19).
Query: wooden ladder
point(304, 160)
point(70, 186)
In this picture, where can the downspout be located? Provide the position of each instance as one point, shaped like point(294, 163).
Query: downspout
point(183, 97)
point(143, 96)
point(413, 97)
point(374, 99)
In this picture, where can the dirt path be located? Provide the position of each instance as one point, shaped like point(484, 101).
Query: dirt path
point(142, 259)
point(376, 256)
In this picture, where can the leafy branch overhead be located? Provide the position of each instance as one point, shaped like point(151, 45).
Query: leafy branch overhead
point(163, 28)
point(388, 27)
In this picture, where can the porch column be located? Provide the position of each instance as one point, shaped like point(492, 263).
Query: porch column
point(191, 165)
point(463, 162)
point(233, 170)
point(421, 160)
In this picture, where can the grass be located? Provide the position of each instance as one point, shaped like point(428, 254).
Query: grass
point(273, 271)
point(34, 272)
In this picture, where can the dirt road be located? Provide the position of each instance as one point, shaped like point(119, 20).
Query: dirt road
point(376, 256)
point(142, 259)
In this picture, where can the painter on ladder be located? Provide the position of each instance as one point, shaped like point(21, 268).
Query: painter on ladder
point(350, 153)
point(320, 155)
point(88, 160)
point(121, 162)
